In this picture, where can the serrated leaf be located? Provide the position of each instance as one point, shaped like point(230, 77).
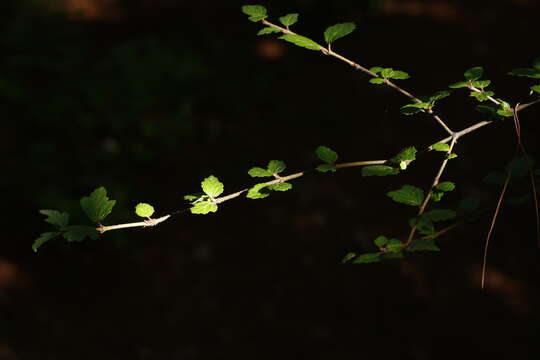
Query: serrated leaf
point(409, 195)
point(203, 207)
point(380, 241)
point(487, 109)
point(436, 215)
point(481, 83)
point(423, 245)
point(212, 186)
point(43, 238)
point(97, 205)
point(301, 41)
point(394, 245)
point(144, 210)
point(326, 168)
point(409, 109)
point(392, 255)
point(348, 257)
point(367, 258)
point(440, 95)
point(400, 75)
point(474, 73)
point(469, 204)
point(379, 170)
point(482, 96)
point(280, 187)
point(255, 12)
point(445, 186)
point(78, 233)
point(459, 84)
point(495, 177)
point(519, 166)
point(255, 192)
point(338, 31)
point(192, 197)
point(423, 225)
point(376, 69)
point(436, 196)
point(276, 166)
point(288, 19)
point(407, 154)
point(58, 219)
point(326, 154)
point(440, 147)
point(526, 72)
point(387, 73)
point(535, 88)
point(259, 172)
point(268, 30)
point(376, 81)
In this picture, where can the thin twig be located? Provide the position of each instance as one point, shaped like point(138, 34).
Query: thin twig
point(493, 220)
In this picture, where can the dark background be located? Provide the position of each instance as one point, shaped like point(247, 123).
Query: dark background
point(149, 97)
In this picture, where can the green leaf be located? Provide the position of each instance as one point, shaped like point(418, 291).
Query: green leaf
point(56, 218)
point(451, 156)
point(78, 233)
point(387, 73)
point(338, 31)
point(469, 204)
point(474, 73)
point(535, 88)
point(301, 41)
point(379, 170)
point(436, 215)
point(440, 95)
point(400, 75)
point(392, 255)
point(409, 109)
point(144, 210)
point(326, 154)
point(482, 96)
point(255, 12)
point(280, 186)
point(259, 172)
point(487, 109)
point(376, 69)
point(505, 113)
point(526, 72)
point(437, 196)
point(43, 238)
point(192, 197)
point(445, 186)
point(409, 195)
point(481, 83)
point(203, 207)
point(276, 166)
point(212, 187)
point(376, 81)
point(423, 225)
point(288, 19)
point(536, 63)
point(97, 206)
point(423, 245)
point(495, 177)
point(380, 241)
point(407, 154)
point(394, 245)
point(348, 257)
point(519, 166)
point(441, 147)
point(367, 258)
point(326, 168)
point(255, 192)
point(459, 84)
point(268, 30)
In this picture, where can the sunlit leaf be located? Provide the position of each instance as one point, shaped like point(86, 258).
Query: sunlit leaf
point(338, 31)
point(474, 73)
point(302, 41)
point(255, 12)
point(203, 207)
point(288, 19)
point(97, 205)
point(409, 195)
point(212, 186)
point(379, 170)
